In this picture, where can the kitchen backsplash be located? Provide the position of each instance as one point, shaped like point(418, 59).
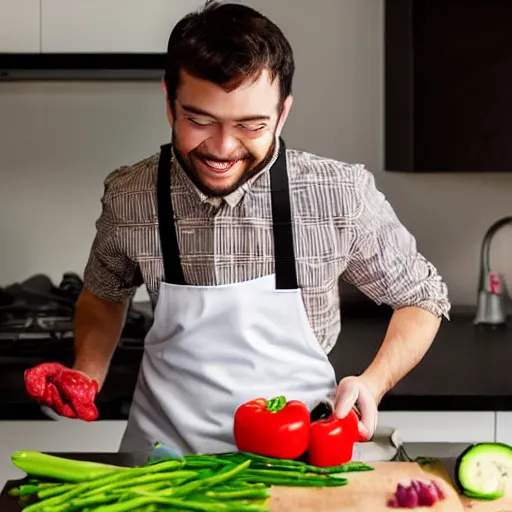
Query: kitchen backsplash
point(58, 141)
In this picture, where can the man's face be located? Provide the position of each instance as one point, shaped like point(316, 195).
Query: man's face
point(223, 138)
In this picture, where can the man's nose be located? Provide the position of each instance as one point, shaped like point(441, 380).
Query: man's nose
point(223, 143)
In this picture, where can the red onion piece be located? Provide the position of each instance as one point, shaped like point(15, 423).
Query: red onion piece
point(427, 495)
point(440, 491)
point(415, 485)
point(412, 499)
point(393, 502)
point(417, 494)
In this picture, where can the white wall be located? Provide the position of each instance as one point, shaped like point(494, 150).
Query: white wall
point(58, 141)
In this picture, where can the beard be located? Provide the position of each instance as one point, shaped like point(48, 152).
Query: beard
point(251, 166)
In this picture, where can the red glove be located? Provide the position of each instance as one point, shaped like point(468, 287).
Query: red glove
point(68, 392)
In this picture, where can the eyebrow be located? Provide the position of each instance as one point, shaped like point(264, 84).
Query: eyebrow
point(200, 112)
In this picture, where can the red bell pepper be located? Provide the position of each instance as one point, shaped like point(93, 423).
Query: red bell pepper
point(273, 428)
point(332, 440)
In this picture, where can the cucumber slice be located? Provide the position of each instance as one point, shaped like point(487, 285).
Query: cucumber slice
point(487, 497)
point(484, 470)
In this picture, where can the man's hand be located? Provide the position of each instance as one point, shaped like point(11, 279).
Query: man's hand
point(353, 392)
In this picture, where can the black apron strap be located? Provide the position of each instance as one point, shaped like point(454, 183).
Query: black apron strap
point(173, 271)
point(284, 254)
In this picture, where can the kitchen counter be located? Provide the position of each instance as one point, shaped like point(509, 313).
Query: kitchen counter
point(451, 451)
point(466, 369)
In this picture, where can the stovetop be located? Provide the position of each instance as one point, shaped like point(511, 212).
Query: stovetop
point(47, 338)
point(41, 343)
point(37, 317)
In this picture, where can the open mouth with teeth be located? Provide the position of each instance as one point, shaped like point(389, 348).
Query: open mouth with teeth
point(219, 166)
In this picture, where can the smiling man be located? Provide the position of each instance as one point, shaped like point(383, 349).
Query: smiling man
point(241, 242)
point(219, 164)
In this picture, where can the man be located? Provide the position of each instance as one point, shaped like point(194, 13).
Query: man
point(240, 242)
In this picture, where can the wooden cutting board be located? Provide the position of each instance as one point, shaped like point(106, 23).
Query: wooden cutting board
point(366, 491)
point(369, 492)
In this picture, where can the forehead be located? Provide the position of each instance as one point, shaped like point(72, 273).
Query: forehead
point(260, 96)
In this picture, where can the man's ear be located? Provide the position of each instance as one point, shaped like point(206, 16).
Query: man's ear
point(285, 110)
point(168, 109)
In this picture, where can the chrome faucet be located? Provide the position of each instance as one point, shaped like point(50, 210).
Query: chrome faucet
point(492, 292)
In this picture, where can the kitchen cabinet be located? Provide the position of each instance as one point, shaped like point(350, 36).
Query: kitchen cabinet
point(442, 426)
point(107, 26)
point(65, 435)
point(20, 26)
point(504, 427)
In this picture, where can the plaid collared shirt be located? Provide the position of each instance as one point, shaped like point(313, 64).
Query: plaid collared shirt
point(343, 226)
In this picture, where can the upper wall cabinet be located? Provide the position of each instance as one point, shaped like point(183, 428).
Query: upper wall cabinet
point(109, 26)
point(447, 85)
point(20, 26)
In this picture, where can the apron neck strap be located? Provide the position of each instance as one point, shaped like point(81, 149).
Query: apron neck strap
point(173, 271)
point(285, 270)
point(284, 253)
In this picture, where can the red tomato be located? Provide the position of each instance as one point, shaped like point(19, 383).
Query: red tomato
point(274, 428)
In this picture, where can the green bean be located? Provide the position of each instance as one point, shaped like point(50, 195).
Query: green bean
point(173, 503)
point(241, 483)
point(213, 507)
point(142, 479)
point(205, 461)
point(143, 488)
point(124, 494)
point(79, 503)
point(241, 493)
point(292, 477)
point(48, 492)
point(260, 462)
point(347, 467)
point(237, 485)
point(30, 489)
point(223, 475)
point(196, 464)
point(283, 464)
point(287, 482)
point(271, 460)
point(279, 467)
point(284, 474)
point(206, 473)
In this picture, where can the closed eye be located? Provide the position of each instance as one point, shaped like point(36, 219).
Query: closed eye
point(252, 127)
point(200, 122)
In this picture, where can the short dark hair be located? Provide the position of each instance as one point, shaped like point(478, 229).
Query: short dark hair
point(227, 43)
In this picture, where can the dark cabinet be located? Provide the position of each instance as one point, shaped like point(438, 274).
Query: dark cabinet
point(448, 85)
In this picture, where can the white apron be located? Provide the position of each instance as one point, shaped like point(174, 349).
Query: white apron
point(212, 348)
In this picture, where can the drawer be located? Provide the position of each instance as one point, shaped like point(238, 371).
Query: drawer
point(441, 426)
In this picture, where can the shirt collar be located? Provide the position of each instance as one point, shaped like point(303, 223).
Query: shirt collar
point(232, 199)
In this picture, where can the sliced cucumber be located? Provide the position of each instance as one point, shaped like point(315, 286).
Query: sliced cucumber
point(487, 497)
point(484, 470)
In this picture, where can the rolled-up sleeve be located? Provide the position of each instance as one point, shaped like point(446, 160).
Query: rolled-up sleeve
point(110, 273)
point(385, 263)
